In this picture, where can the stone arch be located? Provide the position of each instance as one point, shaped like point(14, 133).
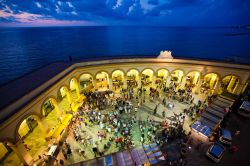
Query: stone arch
point(235, 75)
point(7, 147)
point(133, 69)
point(36, 115)
point(85, 73)
point(83, 83)
point(118, 78)
point(132, 80)
point(161, 77)
point(162, 69)
point(48, 98)
point(59, 94)
point(210, 82)
point(119, 69)
point(178, 78)
point(147, 75)
point(148, 68)
point(74, 89)
point(176, 70)
point(100, 71)
point(64, 98)
point(71, 82)
point(231, 84)
point(100, 82)
point(212, 72)
point(195, 78)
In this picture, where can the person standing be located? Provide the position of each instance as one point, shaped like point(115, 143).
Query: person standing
point(155, 110)
point(95, 150)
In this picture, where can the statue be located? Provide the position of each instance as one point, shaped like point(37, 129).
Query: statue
point(165, 55)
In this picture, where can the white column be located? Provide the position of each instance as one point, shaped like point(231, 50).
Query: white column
point(139, 81)
point(68, 97)
point(94, 83)
point(183, 82)
point(43, 126)
point(77, 89)
point(217, 87)
point(198, 87)
point(23, 154)
point(110, 83)
point(168, 81)
point(153, 81)
point(125, 82)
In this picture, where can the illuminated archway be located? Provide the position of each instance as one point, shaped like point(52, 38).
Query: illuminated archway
point(193, 78)
point(162, 75)
point(64, 98)
point(102, 80)
point(229, 83)
point(147, 77)
point(49, 106)
point(210, 81)
point(51, 112)
point(86, 82)
point(32, 131)
point(8, 156)
point(118, 79)
point(74, 89)
point(177, 76)
point(132, 78)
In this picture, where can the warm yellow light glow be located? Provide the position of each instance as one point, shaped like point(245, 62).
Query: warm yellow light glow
point(211, 79)
point(163, 73)
point(230, 83)
point(102, 75)
point(133, 73)
point(148, 72)
point(23, 129)
point(178, 74)
point(118, 74)
point(3, 150)
point(85, 77)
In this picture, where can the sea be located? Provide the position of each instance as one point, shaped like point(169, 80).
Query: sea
point(25, 49)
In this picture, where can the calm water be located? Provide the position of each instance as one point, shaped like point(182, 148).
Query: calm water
point(23, 50)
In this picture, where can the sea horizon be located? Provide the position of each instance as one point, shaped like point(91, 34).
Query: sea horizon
point(25, 49)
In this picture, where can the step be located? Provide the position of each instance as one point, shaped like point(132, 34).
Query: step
point(211, 117)
point(215, 112)
point(227, 98)
point(207, 117)
point(217, 108)
point(221, 104)
point(207, 122)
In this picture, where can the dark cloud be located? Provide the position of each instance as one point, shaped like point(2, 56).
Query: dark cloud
point(162, 12)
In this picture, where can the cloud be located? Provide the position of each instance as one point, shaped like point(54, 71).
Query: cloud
point(110, 12)
point(22, 17)
point(38, 5)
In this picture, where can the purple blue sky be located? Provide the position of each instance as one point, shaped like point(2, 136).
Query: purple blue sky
point(124, 12)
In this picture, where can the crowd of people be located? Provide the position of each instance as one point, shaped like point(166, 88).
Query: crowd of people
point(115, 118)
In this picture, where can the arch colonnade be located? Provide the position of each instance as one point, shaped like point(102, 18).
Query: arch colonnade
point(55, 109)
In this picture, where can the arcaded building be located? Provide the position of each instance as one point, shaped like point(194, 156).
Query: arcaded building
point(48, 95)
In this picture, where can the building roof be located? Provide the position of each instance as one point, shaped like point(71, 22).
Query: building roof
point(21, 88)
